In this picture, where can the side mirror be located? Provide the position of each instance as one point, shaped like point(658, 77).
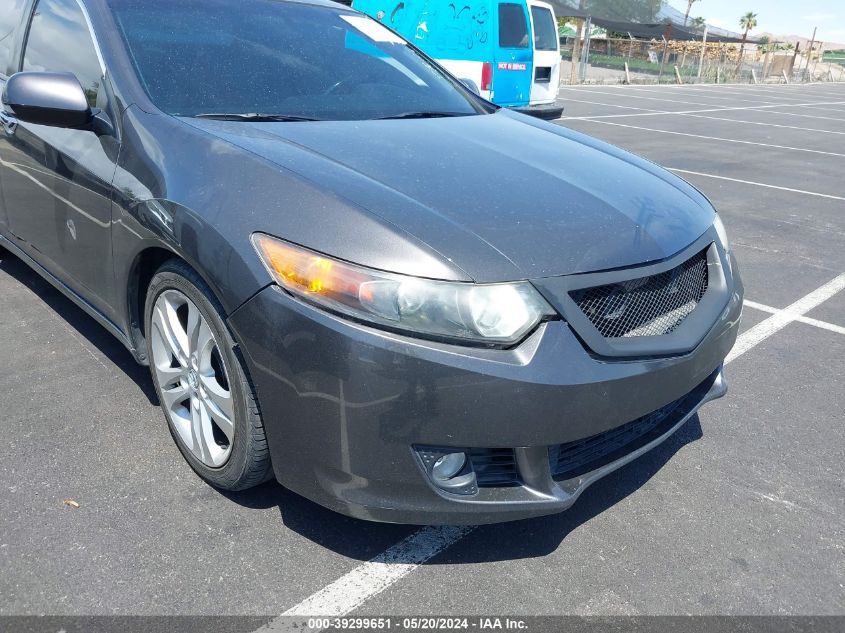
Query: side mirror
point(55, 99)
point(473, 87)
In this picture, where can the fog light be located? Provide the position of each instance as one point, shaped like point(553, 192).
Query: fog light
point(449, 469)
point(448, 466)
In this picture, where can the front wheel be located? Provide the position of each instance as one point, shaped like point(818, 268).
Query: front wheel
point(201, 382)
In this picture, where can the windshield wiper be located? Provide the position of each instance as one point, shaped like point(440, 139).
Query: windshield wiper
point(423, 115)
point(253, 117)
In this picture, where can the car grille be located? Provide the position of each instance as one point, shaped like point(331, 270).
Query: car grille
point(648, 306)
point(495, 467)
point(574, 459)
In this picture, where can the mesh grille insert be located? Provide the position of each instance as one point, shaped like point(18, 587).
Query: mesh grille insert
point(648, 306)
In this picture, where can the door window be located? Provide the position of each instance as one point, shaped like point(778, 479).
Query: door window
point(11, 12)
point(513, 27)
point(59, 41)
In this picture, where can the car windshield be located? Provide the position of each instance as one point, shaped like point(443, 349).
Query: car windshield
point(265, 60)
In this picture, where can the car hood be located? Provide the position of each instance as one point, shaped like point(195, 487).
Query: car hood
point(501, 196)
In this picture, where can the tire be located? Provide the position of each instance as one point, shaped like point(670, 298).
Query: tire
point(205, 393)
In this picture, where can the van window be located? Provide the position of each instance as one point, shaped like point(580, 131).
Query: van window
point(545, 30)
point(59, 41)
point(11, 12)
point(513, 27)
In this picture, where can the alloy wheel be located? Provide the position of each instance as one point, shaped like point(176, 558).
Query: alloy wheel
point(192, 378)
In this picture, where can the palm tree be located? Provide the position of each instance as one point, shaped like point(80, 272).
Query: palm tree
point(689, 8)
point(699, 23)
point(747, 22)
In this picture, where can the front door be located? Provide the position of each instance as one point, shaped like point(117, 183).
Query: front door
point(513, 68)
point(56, 182)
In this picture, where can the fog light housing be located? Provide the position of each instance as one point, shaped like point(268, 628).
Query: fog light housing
point(448, 469)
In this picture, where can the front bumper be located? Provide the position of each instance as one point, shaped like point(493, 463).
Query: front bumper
point(346, 407)
point(547, 112)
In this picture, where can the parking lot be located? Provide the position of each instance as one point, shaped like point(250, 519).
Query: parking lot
point(742, 512)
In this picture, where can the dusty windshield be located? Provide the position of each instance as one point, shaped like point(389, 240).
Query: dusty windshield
point(285, 59)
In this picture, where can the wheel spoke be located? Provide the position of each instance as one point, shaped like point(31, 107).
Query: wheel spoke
point(173, 339)
point(195, 325)
point(220, 405)
point(200, 430)
point(216, 454)
point(176, 395)
point(167, 376)
point(179, 334)
point(205, 339)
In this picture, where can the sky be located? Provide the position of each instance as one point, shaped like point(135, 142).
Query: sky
point(781, 17)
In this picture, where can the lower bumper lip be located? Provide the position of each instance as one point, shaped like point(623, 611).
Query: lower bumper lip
point(344, 405)
point(570, 490)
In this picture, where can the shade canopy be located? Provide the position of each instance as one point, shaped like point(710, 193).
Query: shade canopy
point(642, 19)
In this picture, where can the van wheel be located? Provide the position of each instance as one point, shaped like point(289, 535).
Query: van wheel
point(207, 398)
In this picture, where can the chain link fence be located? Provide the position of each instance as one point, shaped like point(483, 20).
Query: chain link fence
point(610, 60)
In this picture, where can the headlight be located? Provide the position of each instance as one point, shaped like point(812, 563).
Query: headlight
point(723, 234)
point(500, 314)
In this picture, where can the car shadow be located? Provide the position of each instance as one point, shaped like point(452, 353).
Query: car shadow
point(530, 538)
point(538, 537)
point(83, 324)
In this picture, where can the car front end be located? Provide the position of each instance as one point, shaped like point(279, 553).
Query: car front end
point(382, 423)
point(443, 312)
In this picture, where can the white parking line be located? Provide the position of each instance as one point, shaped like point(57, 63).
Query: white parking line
point(731, 97)
point(771, 93)
point(807, 116)
point(350, 591)
point(775, 323)
point(772, 99)
point(818, 106)
point(722, 86)
point(768, 94)
point(630, 96)
point(757, 184)
point(610, 105)
point(724, 140)
point(652, 112)
point(737, 89)
point(796, 95)
point(806, 320)
point(788, 127)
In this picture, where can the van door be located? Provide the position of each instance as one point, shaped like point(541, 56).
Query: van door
point(546, 82)
point(513, 69)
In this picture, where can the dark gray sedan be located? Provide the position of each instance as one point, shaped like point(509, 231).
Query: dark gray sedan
point(345, 269)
